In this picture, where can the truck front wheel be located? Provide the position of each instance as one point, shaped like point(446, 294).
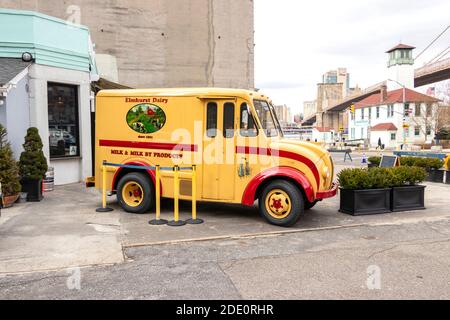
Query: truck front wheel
point(135, 193)
point(281, 203)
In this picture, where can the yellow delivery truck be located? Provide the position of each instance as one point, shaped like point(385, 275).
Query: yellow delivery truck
point(232, 136)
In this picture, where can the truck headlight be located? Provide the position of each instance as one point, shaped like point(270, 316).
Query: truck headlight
point(326, 172)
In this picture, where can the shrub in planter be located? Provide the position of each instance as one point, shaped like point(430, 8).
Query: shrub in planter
point(33, 165)
point(9, 171)
point(365, 191)
point(406, 193)
point(374, 162)
point(381, 190)
point(431, 165)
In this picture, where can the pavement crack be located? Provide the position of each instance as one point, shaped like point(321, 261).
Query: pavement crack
point(230, 280)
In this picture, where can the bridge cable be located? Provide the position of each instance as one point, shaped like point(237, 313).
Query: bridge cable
point(439, 56)
point(432, 42)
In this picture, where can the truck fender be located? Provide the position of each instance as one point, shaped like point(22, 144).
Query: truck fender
point(280, 172)
point(134, 163)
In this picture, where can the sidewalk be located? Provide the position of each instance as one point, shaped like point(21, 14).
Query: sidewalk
point(65, 231)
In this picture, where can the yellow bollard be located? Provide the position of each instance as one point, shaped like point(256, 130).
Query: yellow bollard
point(158, 221)
point(104, 208)
point(194, 219)
point(176, 190)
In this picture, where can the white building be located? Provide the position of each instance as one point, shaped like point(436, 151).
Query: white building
point(46, 70)
point(323, 135)
point(397, 115)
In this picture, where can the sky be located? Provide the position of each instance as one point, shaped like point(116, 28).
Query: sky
point(298, 41)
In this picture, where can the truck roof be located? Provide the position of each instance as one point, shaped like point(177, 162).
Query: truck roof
point(183, 92)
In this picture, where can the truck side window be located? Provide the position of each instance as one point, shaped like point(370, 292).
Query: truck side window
point(248, 127)
point(211, 120)
point(228, 120)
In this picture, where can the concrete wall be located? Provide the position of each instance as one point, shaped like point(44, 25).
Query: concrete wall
point(17, 115)
point(73, 169)
point(166, 43)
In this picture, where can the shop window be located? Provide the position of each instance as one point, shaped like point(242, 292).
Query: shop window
point(417, 111)
point(390, 111)
point(228, 120)
point(211, 120)
point(247, 126)
point(417, 131)
point(406, 110)
point(429, 110)
point(63, 120)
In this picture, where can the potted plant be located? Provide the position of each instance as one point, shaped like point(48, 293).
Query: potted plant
point(407, 194)
point(374, 162)
point(431, 165)
point(33, 165)
point(364, 191)
point(9, 172)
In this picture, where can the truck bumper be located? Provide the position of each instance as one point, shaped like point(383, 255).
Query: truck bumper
point(329, 193)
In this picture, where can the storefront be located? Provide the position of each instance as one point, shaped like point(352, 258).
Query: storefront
point(46, 69)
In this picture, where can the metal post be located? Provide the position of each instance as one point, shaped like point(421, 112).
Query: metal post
point(104, 207)
point(194, 219)
point(158, 221)
point(176, 190)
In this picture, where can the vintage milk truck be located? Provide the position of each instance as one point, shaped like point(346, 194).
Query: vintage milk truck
point(233, 138)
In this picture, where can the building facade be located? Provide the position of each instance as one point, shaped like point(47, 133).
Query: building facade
point(157, 43)
point(339, 75)
point(397, 115)
point(283, 114)
point(46, 70)
point(385, 119)
point(309, 108)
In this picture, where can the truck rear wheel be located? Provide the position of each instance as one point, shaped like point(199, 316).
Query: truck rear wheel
point(135, 193)
point(281, 203)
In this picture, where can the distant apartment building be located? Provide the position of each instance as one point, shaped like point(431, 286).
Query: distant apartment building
point(309, 108)
point(339, 75)
point(283, 114)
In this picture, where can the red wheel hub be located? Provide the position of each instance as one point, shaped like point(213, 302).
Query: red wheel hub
point(276, 204)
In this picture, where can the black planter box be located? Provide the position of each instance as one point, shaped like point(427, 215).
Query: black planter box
point(372, 165)
point(33, 188)
point(408, 198)
point(435, 176)
point(365, 202)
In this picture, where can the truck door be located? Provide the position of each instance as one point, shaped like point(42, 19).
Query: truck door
point(219, 147)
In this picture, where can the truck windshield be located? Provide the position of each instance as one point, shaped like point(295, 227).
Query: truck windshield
point(267, 118)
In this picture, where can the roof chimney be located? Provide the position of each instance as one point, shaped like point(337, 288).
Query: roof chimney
point(383, 95)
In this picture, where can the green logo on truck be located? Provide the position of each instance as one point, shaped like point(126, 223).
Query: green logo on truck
point(146, 118)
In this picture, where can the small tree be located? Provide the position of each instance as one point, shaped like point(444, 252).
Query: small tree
point(33, 164)
point(9, 171)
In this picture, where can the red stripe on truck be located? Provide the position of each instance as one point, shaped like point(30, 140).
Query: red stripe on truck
point(148, 145)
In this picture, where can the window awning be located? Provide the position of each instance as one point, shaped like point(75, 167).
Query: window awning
point(103, 84)
point(11, 71)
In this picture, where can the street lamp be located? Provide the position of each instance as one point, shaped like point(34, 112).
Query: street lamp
point(404, 103)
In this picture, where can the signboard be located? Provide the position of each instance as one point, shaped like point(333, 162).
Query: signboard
point(390, 162)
